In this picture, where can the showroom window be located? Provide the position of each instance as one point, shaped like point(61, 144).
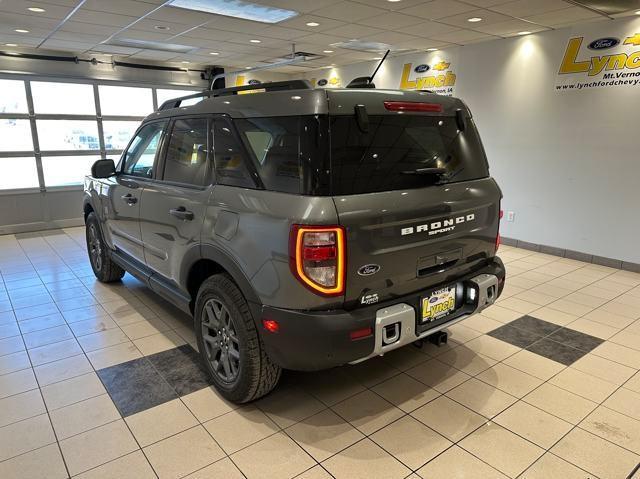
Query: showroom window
point(54, 130)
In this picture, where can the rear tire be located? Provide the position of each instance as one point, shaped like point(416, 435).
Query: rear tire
point(99, 255)
point(230, 344)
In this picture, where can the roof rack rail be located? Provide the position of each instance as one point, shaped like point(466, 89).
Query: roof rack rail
point(267, 87)
point(176, 102)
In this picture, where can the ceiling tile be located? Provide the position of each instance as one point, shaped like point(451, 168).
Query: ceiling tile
point(523, 8)
point(389, 37)
point(353, 31)
point(300, 23)
point(79, 27)
point(488, 17)
point(387, 5)
point(320, 39)
point(505, 29)
point(421, 44)
point(283, 33)
point(566, 15)
point(462, 36)
point(302, 6)
point(438, 9)
point(122, 7)
point(103, 18)
point(349, 11)
point(429, 29)
point(74, 46)
point(56, 12)
point(391, 21)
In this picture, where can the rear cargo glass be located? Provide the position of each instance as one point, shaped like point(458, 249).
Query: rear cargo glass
point(382, 158)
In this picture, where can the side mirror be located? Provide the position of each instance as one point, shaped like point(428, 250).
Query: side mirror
point(103, 169)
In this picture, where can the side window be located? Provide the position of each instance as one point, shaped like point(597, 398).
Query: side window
point(231, 167)
point(186, 160)
point(274, 143)
point(141, 154)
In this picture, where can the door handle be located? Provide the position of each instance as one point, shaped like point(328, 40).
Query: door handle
point(182, 213)
point(129, 199)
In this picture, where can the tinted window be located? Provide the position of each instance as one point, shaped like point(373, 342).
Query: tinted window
point(186, 160)
point(230, 160)
point(139, 157)
point(273, 144)
point(386, 157)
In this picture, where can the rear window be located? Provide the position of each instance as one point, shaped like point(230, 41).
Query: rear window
point(384, 158)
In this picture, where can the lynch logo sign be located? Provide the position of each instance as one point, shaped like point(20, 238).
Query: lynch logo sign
point(438, 227)
point(619, 66)
point(440, 79)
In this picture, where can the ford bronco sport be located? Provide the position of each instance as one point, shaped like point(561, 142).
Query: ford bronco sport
point(302, 228)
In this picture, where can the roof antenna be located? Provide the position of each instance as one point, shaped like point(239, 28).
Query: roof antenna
point(367, 82)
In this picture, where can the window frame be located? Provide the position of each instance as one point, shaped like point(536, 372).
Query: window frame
point(210, 174)
point(159, 152)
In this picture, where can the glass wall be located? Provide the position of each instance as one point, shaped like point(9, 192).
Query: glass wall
point(51, 132)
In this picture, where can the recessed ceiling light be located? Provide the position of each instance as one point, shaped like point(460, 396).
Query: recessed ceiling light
point(313, 24)
point(21, 30)
point(638, 12)
point(255, 41)
point(214, 53)
point(393, 1)
point(161, 27)
point(327, 51)
point(186, 62)
point(474, 19)
point(432, 49)
point(11, 44)
point(236, 8)
point(247, 68)
point(377, 58)
point(524, 33)
point(36, 9)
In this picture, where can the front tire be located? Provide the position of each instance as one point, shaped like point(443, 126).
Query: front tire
point(230, 344)
point(103, 266)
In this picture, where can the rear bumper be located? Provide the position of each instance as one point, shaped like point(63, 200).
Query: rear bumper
point(314, 340)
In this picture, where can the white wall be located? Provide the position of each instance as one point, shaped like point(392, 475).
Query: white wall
point(568, 162)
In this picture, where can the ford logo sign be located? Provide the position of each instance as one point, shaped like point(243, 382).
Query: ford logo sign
point(603, 43)
point(368, 269)
point(322, 82)
point(422, 68)
point(253, 82)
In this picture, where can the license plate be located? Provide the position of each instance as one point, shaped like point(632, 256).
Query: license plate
point(439, 304)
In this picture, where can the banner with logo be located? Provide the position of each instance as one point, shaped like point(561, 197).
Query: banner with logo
point(433, 71)
point(601, 59)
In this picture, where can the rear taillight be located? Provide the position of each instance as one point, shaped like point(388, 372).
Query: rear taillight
point(413, 106)
point(498, 235)
point(318, 258)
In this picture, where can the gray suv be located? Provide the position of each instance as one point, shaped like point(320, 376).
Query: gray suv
point(302, 228)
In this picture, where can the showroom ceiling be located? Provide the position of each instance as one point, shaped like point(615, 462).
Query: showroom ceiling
point(154, 30)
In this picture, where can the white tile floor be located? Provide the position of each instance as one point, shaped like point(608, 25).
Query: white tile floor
point(479, 407)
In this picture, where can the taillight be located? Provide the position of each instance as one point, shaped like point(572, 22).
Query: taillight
point(318, 258)
point(413, 106)
point(498, 235)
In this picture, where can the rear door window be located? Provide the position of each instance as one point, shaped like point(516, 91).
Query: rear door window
point(187, 153)
point(387, 156)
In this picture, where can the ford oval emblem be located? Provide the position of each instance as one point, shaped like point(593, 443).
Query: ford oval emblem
point(322, 82)
point(368, 269)
point(253, 82)
point(422, 68)
point(603, 43)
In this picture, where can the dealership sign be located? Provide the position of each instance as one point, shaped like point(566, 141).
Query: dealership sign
point(600, 62)
point(437, 77)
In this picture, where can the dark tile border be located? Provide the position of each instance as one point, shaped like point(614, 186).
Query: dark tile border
point(549, 340)
point(577, 255)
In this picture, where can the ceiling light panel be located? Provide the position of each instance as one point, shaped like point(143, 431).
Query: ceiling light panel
point(236, 9)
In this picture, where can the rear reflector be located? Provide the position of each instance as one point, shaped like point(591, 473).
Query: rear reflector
point(317, 256)
point(413, 106)
point(271, 325)
point(360, 333)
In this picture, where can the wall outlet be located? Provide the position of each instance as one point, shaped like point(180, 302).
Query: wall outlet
point(510, 216)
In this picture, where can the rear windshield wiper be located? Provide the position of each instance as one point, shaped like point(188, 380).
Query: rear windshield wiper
point(427, 172)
